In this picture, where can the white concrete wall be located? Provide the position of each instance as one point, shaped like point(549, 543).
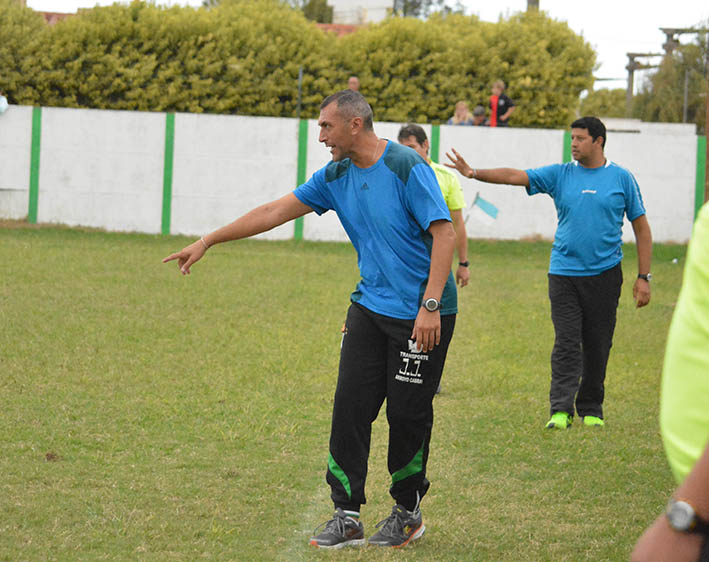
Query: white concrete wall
point(102, 169)
point(105, 169)
point(663, 159)
point(520, 216)
point(15, 151)
point(226, 165)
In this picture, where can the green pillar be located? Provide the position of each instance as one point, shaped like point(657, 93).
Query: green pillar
point(302, 166)
point(34, 164)
point(167, 172)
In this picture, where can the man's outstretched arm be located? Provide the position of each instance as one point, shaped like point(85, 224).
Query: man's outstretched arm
point(509, 176)
point(260, 219)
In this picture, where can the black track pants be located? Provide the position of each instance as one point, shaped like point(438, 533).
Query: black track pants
point(378, 361)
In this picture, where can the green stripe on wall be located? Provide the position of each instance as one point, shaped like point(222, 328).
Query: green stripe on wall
point(167, 172)
point(302, 165)
point(701, 174)
point(566, 155)
point(34, 164)
point(435, 142)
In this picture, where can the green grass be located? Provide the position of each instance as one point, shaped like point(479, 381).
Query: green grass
point(150, 416)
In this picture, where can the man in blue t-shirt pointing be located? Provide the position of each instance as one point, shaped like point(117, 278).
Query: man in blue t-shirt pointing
point(400, 320)
point(591, 196)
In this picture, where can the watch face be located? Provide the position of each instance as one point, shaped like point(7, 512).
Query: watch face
point(431, 304)
point(680, 515)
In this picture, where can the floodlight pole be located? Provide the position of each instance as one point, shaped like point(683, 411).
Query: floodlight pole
point(706, 121)
point(632, 66)
point(300, 91)
point(671, 43)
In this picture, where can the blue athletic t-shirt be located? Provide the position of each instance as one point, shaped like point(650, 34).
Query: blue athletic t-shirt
point(386, 210)
point(590, 204)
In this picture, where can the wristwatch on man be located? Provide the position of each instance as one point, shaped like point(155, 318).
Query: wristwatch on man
point(646, 276)
point(431, 304)
point(683, 518)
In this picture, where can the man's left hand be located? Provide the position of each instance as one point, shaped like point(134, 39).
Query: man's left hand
point(641, 292)
point(427, 329)
point(462, 275)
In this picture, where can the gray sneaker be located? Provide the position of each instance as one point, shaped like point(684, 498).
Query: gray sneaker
point(342, 530)
point(400, 528)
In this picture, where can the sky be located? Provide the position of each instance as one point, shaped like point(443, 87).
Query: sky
point(612, 27)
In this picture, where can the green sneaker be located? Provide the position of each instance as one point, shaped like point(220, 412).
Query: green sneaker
point(560, 420)
point(593, 421)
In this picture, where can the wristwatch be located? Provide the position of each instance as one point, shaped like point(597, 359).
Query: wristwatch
point(431, 304)
point(646, 276)
point(464, 263)
point(683, 518)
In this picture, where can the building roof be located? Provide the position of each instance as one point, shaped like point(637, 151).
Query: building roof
point(54, 17)
point(339, 29)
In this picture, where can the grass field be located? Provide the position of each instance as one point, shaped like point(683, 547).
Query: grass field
point(150, 416)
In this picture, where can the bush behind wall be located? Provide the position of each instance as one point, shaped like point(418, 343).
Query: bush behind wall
point(243, 58)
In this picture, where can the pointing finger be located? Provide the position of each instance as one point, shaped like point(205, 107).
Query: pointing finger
point(171, 257)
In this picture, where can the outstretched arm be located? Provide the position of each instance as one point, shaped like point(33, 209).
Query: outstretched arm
point(427, 326)
point(509, 176)
point(643, 239)
point(260, 219)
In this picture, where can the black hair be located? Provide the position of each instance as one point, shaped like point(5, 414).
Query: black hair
point(593, 125)
point(413, 130)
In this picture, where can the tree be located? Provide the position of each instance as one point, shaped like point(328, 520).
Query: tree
point(318, 11)
point(662, 94)
point(545, 65)
point(423, 8)
point(238, 57)
point(243, 57)
point(19, 27)
point(604, 103)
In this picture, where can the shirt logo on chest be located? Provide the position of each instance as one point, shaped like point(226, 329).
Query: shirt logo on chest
point(588, 191)
point(364, 186)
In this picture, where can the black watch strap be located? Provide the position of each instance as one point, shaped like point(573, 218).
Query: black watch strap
point(464, 263)
point(701, 526)
point(704, 552)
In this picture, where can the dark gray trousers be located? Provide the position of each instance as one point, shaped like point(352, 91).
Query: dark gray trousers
point(583, 310)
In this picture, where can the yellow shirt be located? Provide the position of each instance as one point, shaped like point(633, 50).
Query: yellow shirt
point(450, 186)
point(684, 400)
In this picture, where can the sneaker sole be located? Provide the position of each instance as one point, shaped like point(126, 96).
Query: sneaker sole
point(416, 534)
point(353, 542)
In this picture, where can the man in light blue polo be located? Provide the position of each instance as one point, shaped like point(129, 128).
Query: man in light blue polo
point(591, 195)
